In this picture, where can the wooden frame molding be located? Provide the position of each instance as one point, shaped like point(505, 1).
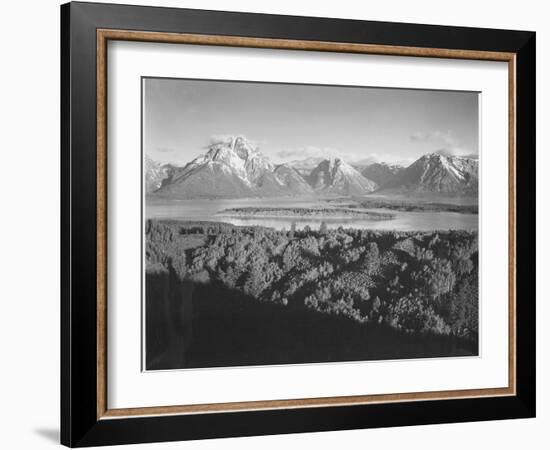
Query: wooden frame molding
point(103, 36)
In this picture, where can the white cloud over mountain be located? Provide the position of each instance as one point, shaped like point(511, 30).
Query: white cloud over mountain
point(446, 142)
point(313, 152)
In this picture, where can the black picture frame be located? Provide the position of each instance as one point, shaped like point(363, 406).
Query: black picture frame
point(80, 425)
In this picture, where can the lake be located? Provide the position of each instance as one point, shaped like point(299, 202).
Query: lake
point(206, 210)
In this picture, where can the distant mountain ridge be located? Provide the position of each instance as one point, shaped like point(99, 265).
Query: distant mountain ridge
point(306, 165)
point(156, 173)
point(234, 167)
point(293, 179)
point(381, 173)
point(334, 176)
point(439, 174)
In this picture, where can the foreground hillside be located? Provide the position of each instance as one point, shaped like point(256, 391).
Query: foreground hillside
point(223, 295)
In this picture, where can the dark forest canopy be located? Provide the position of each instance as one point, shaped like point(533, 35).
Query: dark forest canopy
point(415, 282)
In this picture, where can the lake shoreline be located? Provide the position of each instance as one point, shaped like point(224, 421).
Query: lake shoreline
point(308, 212)
point(301, 213)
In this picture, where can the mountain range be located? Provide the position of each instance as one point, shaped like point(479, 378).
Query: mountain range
point(306, 165)
point(234, 167)
point(437, 173)
point(334, 176)
point(156, 173)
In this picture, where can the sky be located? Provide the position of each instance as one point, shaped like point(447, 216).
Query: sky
point(292, 122)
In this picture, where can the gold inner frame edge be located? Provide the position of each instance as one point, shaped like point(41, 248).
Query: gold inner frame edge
point(103, 36)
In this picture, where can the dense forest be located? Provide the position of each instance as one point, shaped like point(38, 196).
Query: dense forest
point(218, 294)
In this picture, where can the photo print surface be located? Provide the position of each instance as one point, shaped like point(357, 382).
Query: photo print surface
point(294, 224)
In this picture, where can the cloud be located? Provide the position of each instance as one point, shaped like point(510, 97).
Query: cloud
point(227, 138)
point(304, 152)
point(311, 151)
point(444, 152)
point(445, 142)
point(445, 137)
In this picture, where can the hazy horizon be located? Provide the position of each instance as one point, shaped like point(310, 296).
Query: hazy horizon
point(294, 122)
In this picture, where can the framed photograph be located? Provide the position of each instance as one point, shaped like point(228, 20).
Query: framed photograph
point(276, 224)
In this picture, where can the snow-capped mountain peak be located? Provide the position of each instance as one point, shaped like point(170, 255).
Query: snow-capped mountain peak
point(233, 167)
point(435, 172)
point(156, 173)
point(240, 155)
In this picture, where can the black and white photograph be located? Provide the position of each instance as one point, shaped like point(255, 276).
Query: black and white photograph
point(301, 223)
